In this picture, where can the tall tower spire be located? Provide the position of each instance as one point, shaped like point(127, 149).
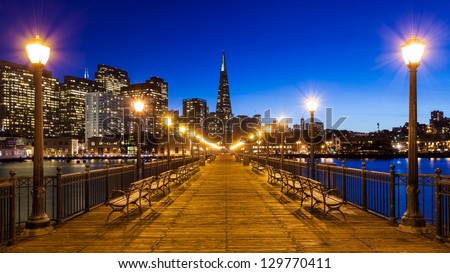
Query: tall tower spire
point(223, 108)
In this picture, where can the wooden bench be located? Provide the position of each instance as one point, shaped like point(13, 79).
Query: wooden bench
point(273, 175)
point(211, 158)
point(120, 200)
point(256, 167)
point(177, 176)
point(161, 183)
point(319, 194)
point(291, 184)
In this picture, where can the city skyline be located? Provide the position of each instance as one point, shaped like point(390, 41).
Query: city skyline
point(278, 54)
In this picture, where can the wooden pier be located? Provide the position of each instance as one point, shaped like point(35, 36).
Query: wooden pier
point(226, 208)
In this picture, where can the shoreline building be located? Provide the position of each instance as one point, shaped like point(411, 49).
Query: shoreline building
point(111, 78)
point(219, 124)
point(195, 111)
point(155, 95)
point(104, 115)
point(73, 105)
point(17, 101)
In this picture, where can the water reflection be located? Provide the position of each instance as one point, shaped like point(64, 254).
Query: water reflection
point(25, 168)
point(426, 165)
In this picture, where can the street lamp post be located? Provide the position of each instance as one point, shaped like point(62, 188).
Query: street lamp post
point(312, 106)
point(38, 221)
point(168, 123)
point(412, 221)
point(282, 143)
point(182, 132)
point(139, 107)
point(267, 143)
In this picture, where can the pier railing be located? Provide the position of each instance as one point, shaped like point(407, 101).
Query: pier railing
point(381, 193)
point(7, 209)
point(68, 195)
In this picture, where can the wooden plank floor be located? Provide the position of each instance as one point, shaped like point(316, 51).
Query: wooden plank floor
point(227, 208)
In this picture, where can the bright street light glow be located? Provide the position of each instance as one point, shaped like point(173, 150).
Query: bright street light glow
point(138, 106)
point(38, 52)
point(312, 104)
point(182, 129)
point(413, 51)
point(168, 121)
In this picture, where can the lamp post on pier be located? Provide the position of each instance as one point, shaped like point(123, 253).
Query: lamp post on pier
point(139, 107)
point(38, 221)
point(412, 221)
point(258, 141)
point(281, 128)
point(182, 132)
point(312, 106)
point(168, 123)
point(267, 143)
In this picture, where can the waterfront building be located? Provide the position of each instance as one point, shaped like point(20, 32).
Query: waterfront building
point(104, 115)
point(195, 111)
point(12, 148)
point(223, 108)
point(155, 95)
point(111, 78)
point(439, 123)
point(55, 146)
point(219, 124)
point(73, 105)
point(104, 146)
point(17, 101)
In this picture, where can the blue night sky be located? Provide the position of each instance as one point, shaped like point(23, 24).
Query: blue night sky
point(345, 53)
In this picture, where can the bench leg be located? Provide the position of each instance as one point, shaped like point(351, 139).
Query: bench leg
point(116, 210)
point(338, 209)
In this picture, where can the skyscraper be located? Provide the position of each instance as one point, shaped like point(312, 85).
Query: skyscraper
point(154, 93)
point(195, 112)
point(111, 78)
point(104, 115)
point(17, 101)
point(223, 108)
point(73, 105)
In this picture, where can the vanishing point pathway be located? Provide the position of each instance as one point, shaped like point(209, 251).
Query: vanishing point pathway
point(227, 208)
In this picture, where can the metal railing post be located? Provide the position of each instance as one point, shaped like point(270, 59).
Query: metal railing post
point(12, 205)
point(364, 186)
point(328, 176)
point(344, 182)
point(392, 194)
point(107, 180)
point(121, 177)
point(86, 189)
point(439, 224)
point(59, 195)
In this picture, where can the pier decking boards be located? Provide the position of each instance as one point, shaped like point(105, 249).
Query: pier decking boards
point(227, 208)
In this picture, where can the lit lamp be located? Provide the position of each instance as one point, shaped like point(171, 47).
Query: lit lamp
point(139, 107)
point(252, 137)
point(168, 123)
point(412, 221)
point(198, 146)
point(267, 143)
point(282, 142)
point(312, 106)
point(38, 221)
point(258, 134)
point(182, 132)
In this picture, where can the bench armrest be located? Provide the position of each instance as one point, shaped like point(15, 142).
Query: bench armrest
point(335, 192)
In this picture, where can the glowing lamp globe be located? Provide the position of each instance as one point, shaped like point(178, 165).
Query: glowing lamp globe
point(413, 51)
point(312, 105)
point(38, 52)
point(168, 121)
point(138, 106)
